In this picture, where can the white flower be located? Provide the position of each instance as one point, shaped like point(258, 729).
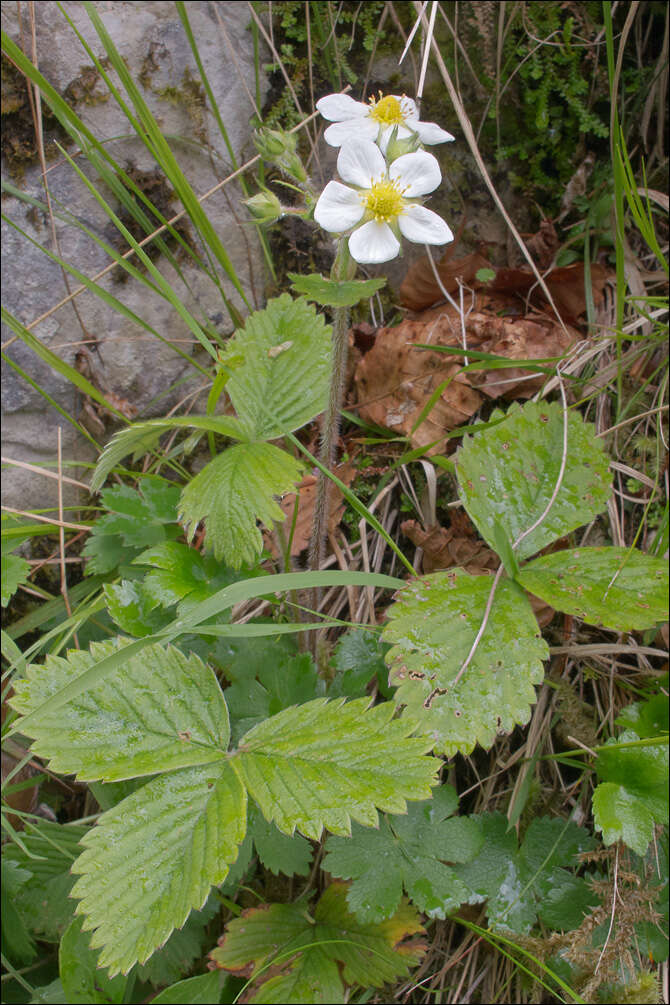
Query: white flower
point(376, 121)
point(382, 203)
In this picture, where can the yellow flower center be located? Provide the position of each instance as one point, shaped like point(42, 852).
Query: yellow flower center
point(384, 201)
point(386, 111)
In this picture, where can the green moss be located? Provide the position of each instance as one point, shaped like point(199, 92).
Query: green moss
point(18, 142)
point(191, 96)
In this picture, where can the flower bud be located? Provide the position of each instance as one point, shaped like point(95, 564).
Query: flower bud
point(265, 207)
point(396, 148)
point(272, 144)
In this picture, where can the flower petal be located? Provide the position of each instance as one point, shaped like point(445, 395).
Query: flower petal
point(373, 243)
point(341, 132)
point(417, 173)
point(422, 226)
point(338, 107)
point(338, 208)
point(429, 132)
point(408, 108)
point(361, 162)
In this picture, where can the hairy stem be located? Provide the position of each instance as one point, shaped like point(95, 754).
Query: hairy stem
point(330, 429)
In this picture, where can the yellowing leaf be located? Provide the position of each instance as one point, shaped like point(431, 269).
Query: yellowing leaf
point(305, 949)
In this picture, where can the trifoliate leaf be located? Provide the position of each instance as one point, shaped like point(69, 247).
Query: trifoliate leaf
point(518, 882)
point(278, 852)
point(15, 572)
point(133, 610)
point(158, 711)
point(407, 852)
point(432, 626)
point(82, 981)
point(508, 473)
point(283, 381)
point(633, 794)
point(43, 900)
point(306, 949)
point(359, 656)
point(140, 438)
point(615, 588)
point(326, 763)
point(331, 293)
point(135, 520)
point(154, 857)
point(235, 491)
point(264, 690)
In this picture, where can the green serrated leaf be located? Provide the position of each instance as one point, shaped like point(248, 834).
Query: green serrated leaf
point(233, 492)
point(201, 990)
point(43, 900)
point(83, 983)
point(407, 852)
point(325, 763)
point(141, 438)
point(133, 610)
point(508, 474)
point(359, 656)
point(187, 944)
point(278, 852)
point(182, 573)
point(307, 949)
point(18, 945)
point(633, 794)
point(432, 626)
point(135, 519)
point(517, 883)
point(647, 718)
point(154, 857)
point(331, 293)
point(158, 711)
point(15, 572)
point(616, 588)
point(262, 691)
point(283, 382)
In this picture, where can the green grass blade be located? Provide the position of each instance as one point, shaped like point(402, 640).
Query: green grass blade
point(58, 364)
point(223, 600)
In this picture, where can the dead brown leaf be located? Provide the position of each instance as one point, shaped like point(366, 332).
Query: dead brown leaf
point(421, 290)
point(443, 548)
point(395, 380)
point(306, 502)
point(543, 245)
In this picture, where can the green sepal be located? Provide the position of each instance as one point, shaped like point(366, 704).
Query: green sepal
point(331, 292)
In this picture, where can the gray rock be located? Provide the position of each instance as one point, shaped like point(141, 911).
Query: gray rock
point(127, 361)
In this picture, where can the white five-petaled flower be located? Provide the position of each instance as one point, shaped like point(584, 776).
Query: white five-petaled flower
point(376, 120)
point(382, 202)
